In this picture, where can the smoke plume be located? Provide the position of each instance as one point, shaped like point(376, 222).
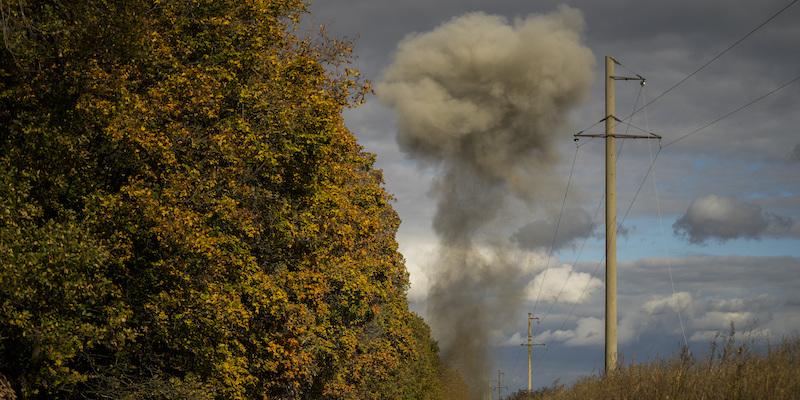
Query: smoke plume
point(482, 99)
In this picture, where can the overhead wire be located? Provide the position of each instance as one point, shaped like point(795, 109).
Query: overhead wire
point(511, 375)
point(601, 260)
point(652, 163)
point(695, 72)
point(663, 234)
point(734, 111)
point(560, 329)
point(594, 273)
point(658, 206)
point(638, 191)
point(555, 235)
point(569, 275)
point(583, 292)
point(720, 54)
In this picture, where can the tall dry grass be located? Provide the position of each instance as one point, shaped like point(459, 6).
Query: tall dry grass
point(749, 367)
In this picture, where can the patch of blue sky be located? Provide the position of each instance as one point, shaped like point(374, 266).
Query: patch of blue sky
point(648, 241)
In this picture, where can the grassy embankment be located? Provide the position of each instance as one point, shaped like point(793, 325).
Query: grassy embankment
point(752, 368)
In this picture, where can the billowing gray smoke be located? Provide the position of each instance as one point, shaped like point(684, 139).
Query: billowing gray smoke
point(483, 99)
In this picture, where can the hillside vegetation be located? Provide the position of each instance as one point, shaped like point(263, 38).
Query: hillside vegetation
point(732, 369)
point(184, 215)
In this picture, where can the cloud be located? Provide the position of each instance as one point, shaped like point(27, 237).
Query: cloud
point(795, 157)
point(662, 304)
point(588, 331)
point(562, 284)
point(758, 303)
point(725, 218)
point(419, 282)
point(418, 250)
point(702, 317)
point(516, 339)
point(716, 335)
point(713, 292)
point(719, 319)
point(575, 224)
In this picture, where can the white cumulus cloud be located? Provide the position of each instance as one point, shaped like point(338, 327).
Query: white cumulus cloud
point(667, 304)
point(562, 284)
point(588, 331)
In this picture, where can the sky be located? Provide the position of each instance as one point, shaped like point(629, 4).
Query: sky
point(473, 120)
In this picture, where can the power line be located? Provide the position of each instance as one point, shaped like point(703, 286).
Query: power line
point(652, 163)
point(619, 155)
point(656, 156)
point(720, 54)
point(553, 341)
point(515, 378)
point(560, 329)
point(583, 292)
point(636, 111)
point(666, 255)
point(555, 235)
point(583, 246)
point(577, 257)
point(661, 223)
point(734, 111)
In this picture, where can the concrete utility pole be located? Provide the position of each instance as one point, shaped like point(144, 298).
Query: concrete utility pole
point(499, 386)
point(611, 210)
point(611, 221)
point(529, 352)
point(529, 348)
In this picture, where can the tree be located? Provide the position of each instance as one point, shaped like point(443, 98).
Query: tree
point(185, 214)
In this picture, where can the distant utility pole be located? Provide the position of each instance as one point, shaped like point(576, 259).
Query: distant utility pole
point(529, 348)
point(611, 210)
point(499, 386)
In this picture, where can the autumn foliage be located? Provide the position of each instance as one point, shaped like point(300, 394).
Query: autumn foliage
point(183, 213)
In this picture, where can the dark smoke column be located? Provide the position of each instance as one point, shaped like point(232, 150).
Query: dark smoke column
point(482, 99)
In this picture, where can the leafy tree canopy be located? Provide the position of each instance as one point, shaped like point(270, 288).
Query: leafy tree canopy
point(183, 213)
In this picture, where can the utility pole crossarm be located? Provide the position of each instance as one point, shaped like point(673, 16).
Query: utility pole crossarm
point(650, 135)
point(623, 136)
point(627, 78)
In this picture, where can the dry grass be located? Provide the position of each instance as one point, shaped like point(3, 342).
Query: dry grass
point(750, 368)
